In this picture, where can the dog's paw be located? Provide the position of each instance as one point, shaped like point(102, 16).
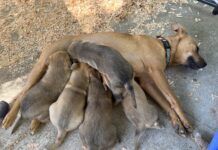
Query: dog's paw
point(188, 128)
point(8, 120)
point(179, 128)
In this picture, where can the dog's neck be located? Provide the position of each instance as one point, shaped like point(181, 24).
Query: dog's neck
point(173, 41)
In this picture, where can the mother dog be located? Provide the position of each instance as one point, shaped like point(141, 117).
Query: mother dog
point(148, 56)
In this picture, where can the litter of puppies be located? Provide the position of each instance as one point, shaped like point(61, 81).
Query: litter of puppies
point(82, 100)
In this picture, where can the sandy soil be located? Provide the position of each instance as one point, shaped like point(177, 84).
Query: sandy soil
point(28, 25)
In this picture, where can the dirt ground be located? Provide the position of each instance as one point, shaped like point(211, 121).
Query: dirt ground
point(28, 25)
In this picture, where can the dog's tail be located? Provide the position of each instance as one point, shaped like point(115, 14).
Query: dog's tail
point(130, 89)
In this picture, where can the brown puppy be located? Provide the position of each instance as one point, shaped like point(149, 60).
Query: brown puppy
point(97, 131)
point(35, 104)
point(144, 116)
point(66, 114)
point(116, 71)
point(147, 56)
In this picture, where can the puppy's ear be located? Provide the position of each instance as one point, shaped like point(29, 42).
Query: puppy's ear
point(179, 29)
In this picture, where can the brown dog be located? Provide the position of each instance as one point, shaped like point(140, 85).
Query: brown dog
point(35, 104)
point(117, 73)
point(97, 131)
point(144, 116)
point(147, 56)
point(66, 114)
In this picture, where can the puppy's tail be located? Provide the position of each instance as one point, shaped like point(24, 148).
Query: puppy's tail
point(130, 89)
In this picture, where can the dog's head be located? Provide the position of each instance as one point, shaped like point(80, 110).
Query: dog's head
point(187, 50)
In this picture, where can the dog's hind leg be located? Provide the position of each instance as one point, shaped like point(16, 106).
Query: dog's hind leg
point(34, 76)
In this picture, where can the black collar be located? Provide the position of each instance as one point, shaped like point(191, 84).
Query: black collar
point(167, 48)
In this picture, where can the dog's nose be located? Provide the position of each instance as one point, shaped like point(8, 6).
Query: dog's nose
point(203, 64)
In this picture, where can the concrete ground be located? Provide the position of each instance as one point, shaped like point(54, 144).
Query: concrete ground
point(197, 91)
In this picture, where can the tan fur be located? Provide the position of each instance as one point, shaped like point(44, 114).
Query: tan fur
point(66, 114)
point(147, 57)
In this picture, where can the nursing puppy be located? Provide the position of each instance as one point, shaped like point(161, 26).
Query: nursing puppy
point(97, 131)
point(35, 104)
point(66, 114)
point(143, 117)
point(117, 73)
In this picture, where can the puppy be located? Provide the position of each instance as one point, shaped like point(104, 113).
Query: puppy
point(144, 116)
point(97, 131)
point(4, 109)
point(67, 113)
point(117, 73)
point(35, 104)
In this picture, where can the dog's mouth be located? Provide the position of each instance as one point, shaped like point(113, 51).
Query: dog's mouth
point(191, 63)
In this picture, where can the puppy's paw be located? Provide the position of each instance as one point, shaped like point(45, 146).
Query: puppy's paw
point(34, 126)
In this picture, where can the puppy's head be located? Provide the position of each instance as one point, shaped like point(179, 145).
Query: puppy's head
point(187, 50)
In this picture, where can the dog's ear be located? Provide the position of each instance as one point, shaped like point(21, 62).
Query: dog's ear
point(179, 29)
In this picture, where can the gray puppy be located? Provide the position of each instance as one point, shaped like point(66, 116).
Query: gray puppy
point(35, 104)
point(144, 116)
point(117, 73)
point(66, 114)
point(97, 131)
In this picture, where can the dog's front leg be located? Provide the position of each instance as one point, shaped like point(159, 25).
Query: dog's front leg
point(149, 87)
point(161, 82)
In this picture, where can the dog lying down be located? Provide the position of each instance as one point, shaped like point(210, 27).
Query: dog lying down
point(97, 130)
point(116, 72)
point(36, 102)
point(66, 114)
point(143, 117)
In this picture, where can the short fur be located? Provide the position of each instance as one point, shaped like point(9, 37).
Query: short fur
point(116, 71)
point(36, 103)
point(144, 116)
point(146, 55)
point(67, 113)
point(97, 131)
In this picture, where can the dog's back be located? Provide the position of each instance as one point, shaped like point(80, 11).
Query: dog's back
point(49, 87)
point(97, 129)
point(109, 62)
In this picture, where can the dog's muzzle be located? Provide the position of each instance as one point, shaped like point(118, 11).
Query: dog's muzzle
point(191, 63)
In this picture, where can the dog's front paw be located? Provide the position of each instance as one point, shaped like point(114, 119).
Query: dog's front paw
point(178, 126)
point(8, 120)
point(188, 128)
